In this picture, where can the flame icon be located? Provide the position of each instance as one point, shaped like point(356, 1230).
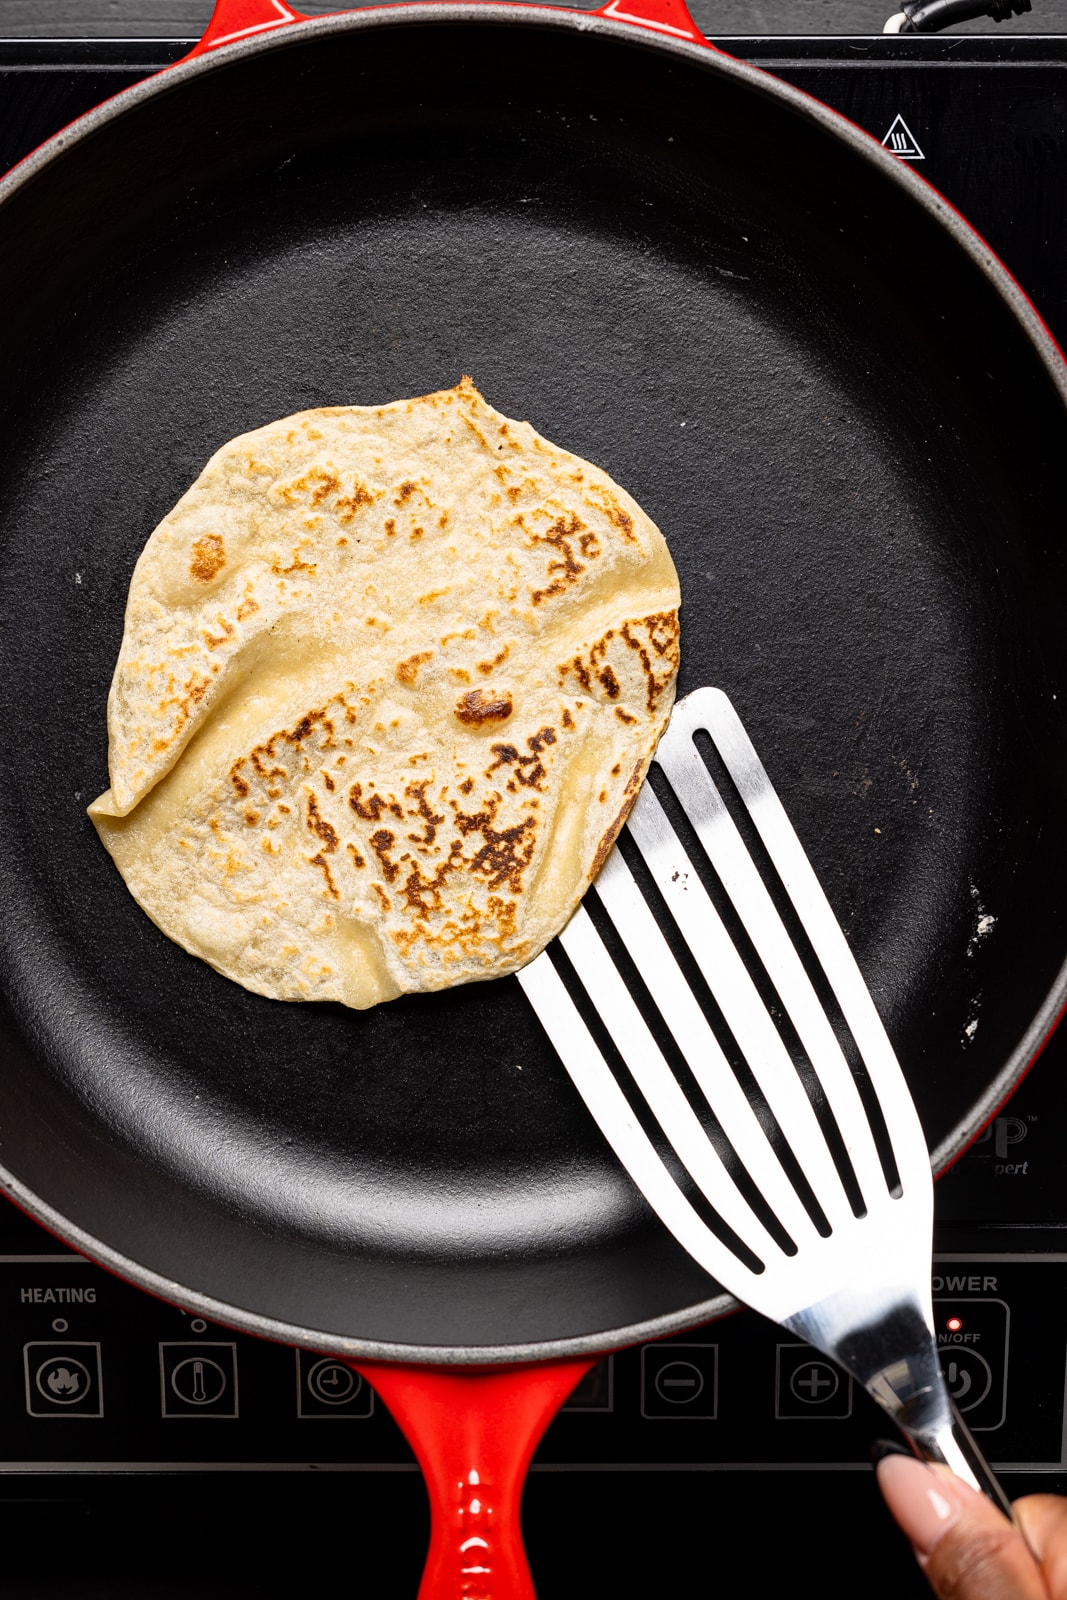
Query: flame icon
point(62, 1381)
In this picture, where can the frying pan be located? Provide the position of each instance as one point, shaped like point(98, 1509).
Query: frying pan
point(851, 426)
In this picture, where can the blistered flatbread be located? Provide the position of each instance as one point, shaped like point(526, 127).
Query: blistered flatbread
point(390, 679)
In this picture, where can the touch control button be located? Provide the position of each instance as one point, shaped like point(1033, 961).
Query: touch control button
point(329, 1388)
point(968, 1377)
point(596, 1391)
point(680, 1380)
point(198, 1379)
point(972, 1342)
point(63, 1380)
point(808, 1386)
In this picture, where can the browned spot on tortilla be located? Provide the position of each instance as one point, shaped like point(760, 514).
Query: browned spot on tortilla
point(633, 784)
point(486, 667)
point(416, 887)
point(320, 827)
point(214, 640)
point(408, 671)
point(195, 690)
point(566, 719)
point(614, 511)
point(328, 482)
point(295, 565)
point(262, 770)
point(505, 852)
point(477, 432)
point(347, 506)
point(423, 809)
point(529, 771)
point(661, 643)
point(381, 843)
point(479, 705)
point(308, 722)
point(609, 683)
point(566, 569)
point(248, 606)
point(624, 716)
point(404, 492)
point(371, 809)
point(581, 672)
point(251, 817)
point(209, 558)
point(357, 859)
point(320, 861)
point(239, 783)
point(383, 898)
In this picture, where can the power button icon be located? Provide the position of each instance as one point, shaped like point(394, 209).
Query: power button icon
point(972, 1346)
point(968, 1376)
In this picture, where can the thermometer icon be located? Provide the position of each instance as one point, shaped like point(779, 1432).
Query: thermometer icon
point(199, 1381)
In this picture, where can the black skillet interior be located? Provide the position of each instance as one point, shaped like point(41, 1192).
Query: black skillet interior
point(859, 463)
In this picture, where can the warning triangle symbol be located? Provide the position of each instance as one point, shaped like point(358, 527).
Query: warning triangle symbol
point(902, 142)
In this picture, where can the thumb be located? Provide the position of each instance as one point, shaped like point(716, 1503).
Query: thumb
point(967, 1549)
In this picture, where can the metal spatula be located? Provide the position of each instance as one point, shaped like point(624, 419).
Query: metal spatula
point(755, 1058)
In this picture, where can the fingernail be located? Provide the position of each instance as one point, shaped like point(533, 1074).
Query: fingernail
point(923, 1503)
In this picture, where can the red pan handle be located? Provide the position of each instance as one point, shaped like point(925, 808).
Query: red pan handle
point(474, 1434)
point(232, 20)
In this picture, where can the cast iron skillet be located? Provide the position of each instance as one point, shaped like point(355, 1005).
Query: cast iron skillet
point(846, 418)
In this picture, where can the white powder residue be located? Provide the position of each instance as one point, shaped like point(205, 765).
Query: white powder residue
point(983, 923)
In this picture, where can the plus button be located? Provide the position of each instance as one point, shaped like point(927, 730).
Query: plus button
point(810, 1381)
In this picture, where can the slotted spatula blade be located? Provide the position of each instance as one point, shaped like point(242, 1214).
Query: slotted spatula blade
point(805, 1186)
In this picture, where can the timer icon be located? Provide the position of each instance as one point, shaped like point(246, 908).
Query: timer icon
point(333, 1383)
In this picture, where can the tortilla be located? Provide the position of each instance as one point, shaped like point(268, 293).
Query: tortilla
point(390, 679)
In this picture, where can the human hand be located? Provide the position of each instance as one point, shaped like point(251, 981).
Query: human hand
point(965, 1547)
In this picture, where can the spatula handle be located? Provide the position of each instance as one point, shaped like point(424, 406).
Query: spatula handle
point(474, 1435)
point(953, 1446)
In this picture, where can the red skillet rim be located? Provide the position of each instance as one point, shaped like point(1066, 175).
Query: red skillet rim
point(514, 12)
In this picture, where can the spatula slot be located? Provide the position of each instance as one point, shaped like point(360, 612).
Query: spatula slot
point(590, 1015)
point(765, 994)
point(620, 953)
point(786, 873)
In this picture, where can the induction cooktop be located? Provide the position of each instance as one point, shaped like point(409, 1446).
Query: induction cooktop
point(138, 1441)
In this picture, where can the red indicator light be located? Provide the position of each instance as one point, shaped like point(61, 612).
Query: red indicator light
point(954, 1324)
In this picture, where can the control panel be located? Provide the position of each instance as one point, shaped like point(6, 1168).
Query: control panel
point(94, 1374)
point(748, 1393)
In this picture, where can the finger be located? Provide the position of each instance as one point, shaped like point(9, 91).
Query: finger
point(965, 1546)
point(1043, 1519)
